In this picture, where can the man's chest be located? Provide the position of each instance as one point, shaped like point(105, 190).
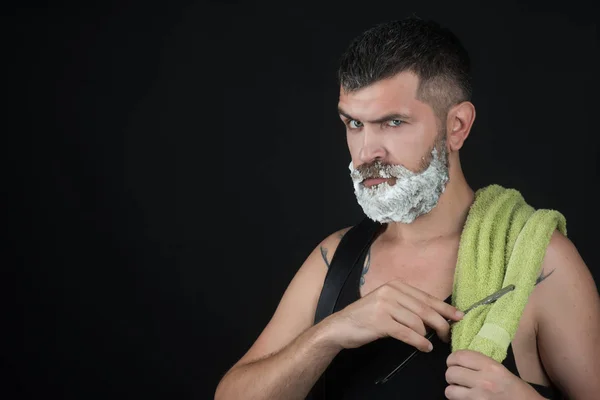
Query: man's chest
point(429, 267)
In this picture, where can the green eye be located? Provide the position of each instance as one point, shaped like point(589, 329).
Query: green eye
point(354, 124)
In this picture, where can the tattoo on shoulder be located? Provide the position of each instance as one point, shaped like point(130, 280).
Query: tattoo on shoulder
point(542, 277)
point(324, 249)
point(366, 267)
point(324, 255)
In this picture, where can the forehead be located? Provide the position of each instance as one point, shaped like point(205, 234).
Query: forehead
point(395, 94)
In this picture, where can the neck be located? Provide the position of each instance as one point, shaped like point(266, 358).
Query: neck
point(445, 220)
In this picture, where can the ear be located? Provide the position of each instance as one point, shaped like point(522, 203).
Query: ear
point(458, 124)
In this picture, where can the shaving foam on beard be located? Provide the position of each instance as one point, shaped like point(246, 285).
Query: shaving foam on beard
point(413, 194)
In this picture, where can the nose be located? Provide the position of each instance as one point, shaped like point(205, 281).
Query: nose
point(371, 149)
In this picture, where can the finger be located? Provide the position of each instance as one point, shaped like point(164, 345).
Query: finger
point(446, 310)
point(405, 316)
point(455, 392)
point(461, 376)
point(468, 359)
point(408, 336)
point(427, 314)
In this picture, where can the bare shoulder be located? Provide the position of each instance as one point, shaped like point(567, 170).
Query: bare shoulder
point(564, 276)
point(296, 309)
point(330, 244)
point(562, 268)
point(567, 314)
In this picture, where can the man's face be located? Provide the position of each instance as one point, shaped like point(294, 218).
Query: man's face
point(399, 158)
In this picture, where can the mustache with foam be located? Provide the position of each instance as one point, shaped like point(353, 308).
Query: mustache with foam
point(377, 169)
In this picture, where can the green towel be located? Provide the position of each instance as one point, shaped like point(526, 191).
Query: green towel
point(503, 242)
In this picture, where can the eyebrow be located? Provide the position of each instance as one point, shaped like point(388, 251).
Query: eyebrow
point(387, 117)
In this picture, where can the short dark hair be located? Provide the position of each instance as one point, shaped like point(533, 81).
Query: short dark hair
point(423, 47)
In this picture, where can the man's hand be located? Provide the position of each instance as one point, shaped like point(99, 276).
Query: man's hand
point(393, 310)
point(474, 376)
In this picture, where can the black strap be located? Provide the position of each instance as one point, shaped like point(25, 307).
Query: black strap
point(352, 246)
point(350, 250)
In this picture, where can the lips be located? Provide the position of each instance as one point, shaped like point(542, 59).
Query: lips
point(370, 182)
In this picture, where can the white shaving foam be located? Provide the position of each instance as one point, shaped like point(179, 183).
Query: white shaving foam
point(413, 194)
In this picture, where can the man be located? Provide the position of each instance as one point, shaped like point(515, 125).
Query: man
point(405, 101)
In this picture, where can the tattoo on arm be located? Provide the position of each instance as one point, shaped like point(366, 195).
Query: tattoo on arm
point(543, 277)
point(324, 255)
point(366, 267)
point(324, 250)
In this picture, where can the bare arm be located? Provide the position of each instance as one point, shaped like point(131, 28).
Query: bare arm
point(290, 354)
point(288, 374)
point(568, 321)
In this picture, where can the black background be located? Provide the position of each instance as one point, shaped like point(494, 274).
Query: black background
point(170, 166)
